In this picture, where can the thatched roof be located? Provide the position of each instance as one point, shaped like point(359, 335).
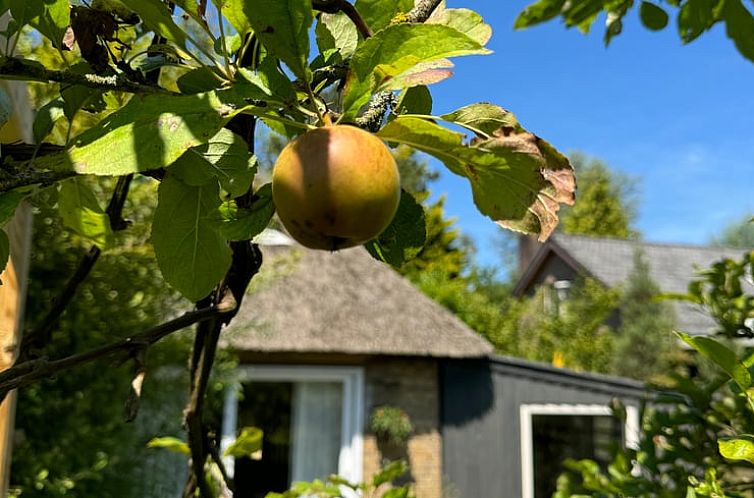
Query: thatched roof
point(306, 301)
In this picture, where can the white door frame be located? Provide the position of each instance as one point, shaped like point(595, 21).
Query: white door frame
point(630, 432)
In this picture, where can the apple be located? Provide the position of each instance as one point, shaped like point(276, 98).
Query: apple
point(335, 187)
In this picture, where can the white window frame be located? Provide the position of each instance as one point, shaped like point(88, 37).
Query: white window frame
point(350, 458)
point(630, 432)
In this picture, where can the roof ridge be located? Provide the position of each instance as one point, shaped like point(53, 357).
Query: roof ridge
point(680, 245)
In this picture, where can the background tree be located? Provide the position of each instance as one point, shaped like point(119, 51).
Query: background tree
point(738, 234)
point(607, 202)
point(643, 339)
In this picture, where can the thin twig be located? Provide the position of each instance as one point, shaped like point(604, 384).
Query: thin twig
point(12, 68)
point(30, 371)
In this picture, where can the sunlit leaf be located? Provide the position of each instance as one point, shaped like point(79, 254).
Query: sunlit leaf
point(337, 32)
point(81, 212)
point(157, 17)
point(720, 355)
point(396, 50)
point(147, 133)
point(171, 444)
point(283, 28)
point(225, 157)
point(484, 117)
point(245, 224)
point(517, 179)
point(247, 444)
point(740, 448)
point(466, 21)
point(4, 251)
point(191, 254)
point(51, 17)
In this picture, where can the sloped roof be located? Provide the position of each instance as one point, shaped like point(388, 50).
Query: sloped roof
point(308, 301)
point(611, 261)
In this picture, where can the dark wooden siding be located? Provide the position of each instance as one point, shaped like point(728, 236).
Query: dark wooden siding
point(480, 418)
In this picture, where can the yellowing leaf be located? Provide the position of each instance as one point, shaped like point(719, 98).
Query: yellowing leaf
point(517, 179)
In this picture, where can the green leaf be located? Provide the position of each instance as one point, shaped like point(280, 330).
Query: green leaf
point(484, 117)
point(695, 17)
point(740, 448)
point(45, 120)
point(170, 443)
point(390, 472)
point(739, 26)
point(147, 133)
point(50, 18)
point(157, 17)
point(722, 356)
point(191, 254)
point(201, 79)
point(336, 32)
point(81, 212)
point(247, 443)
point(397, 49)
point(10, 200)
point(652, 16)
point(539, 12)
point(404, 237)
point(415, 100)
point(424, 73)
point(237, 12)
point(245, 224)
point(379, 13)
point(191, 7)
point(225, 157)
point(517, 179)
point(466, 21)
point(283, 28)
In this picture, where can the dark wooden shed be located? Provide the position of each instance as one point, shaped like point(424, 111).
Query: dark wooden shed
point(508, 423)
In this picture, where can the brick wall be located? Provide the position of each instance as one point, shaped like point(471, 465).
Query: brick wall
point(411, 385)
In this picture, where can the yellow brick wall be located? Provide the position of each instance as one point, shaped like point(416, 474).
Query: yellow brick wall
point(411, 385)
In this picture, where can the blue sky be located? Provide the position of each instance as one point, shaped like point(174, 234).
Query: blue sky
point(679, 118)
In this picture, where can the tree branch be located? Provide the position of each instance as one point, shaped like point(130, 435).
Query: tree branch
point(40, 335)
point(422, 10)
point(333, 6)
point(12, 68)
point(30, 371)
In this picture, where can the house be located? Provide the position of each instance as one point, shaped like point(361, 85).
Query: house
point(564, 258)
point(326, 339)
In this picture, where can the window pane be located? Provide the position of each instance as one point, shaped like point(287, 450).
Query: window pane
point(302, 424)
point(266, 405)
point(559, 437)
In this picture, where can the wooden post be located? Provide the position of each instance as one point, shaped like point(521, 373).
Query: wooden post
point(13, 290)
point(12, 294)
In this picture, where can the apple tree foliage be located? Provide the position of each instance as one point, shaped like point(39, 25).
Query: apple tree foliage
point(692, 17)
point(174, 91)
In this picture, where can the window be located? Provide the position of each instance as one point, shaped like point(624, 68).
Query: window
point(552, 433)
point(312, 422)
